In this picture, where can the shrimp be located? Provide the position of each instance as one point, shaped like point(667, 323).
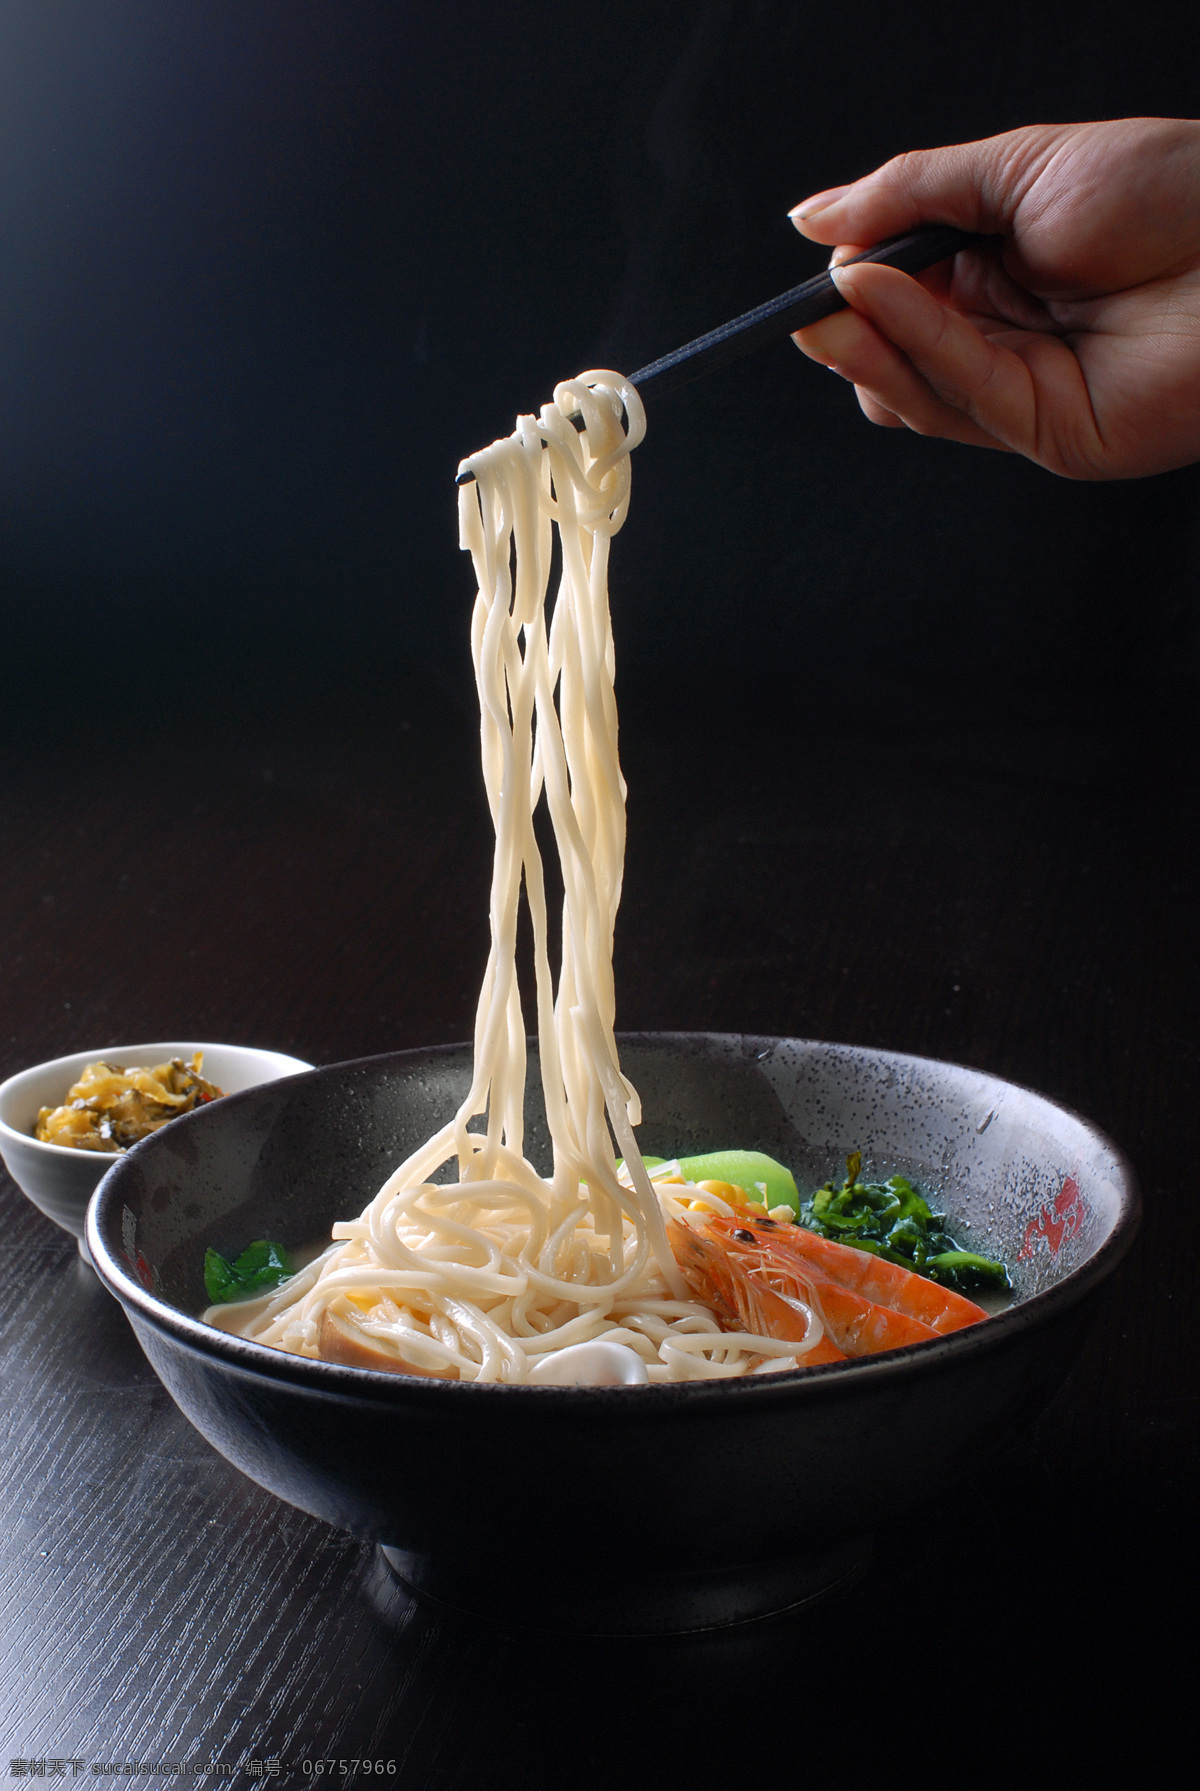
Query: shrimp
point(766, 1277)
point(876, 1279)
point(741, 1296)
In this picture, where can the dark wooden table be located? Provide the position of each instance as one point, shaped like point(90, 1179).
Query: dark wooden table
point(1012, 886)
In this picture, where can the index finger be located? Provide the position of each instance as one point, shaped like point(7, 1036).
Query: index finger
point(975, 186)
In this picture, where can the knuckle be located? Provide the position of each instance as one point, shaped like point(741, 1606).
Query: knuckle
point(905, 167)
point(902, 173)
point(931, 426)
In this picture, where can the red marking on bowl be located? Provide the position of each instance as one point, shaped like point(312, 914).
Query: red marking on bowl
point(1057, 1221)
point(142, 1269)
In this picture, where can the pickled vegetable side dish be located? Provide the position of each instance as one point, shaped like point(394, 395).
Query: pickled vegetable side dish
point(110, 1108)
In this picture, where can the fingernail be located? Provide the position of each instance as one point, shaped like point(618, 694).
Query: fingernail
point(838, 275)
point(832, 365)
point(808, 208)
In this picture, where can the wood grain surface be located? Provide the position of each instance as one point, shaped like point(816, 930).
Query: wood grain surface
point(1013, 887)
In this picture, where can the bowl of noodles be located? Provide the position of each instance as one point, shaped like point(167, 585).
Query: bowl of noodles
point(675, 1505)
point(479, 1303)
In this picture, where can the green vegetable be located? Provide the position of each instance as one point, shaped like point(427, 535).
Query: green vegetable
point(260, 1267)
point(963, 1270)
point(890, 1219)
point(759, 1177)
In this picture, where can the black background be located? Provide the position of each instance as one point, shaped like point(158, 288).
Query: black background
point(910, 737)
point(271, 269)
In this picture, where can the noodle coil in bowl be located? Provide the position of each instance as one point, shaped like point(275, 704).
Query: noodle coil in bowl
point(621, 1509)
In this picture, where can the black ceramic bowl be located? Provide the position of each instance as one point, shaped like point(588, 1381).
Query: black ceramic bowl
point(625, 1509)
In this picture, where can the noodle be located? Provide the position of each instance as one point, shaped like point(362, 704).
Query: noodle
point(486, 1277)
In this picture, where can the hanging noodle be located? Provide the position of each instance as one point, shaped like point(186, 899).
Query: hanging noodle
point(485, 1277)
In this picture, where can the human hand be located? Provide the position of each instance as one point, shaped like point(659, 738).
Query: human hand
point(1075, 340)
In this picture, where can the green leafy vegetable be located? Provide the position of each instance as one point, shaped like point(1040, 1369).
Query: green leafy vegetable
point(891, 1219)
point(260, 1267)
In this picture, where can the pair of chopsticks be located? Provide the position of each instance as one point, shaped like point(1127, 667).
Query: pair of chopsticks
point(792, 310)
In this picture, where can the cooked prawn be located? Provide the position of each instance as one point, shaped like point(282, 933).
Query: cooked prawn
point(741, 1296)
point(876, 1279)
point(768, 1278)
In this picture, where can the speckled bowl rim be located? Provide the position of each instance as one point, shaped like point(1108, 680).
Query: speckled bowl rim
point(372, 1387)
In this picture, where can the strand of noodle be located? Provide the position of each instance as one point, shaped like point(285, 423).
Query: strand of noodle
point(465, 1236)
point(652, 1308)
point(655, 1223)
point(509, 1194)
point(420, 1165)
point(519, 1316)
point(497, 1350)
point(427, 1272)
point(729, 1342)
point(416, 1347)
point(584, 1293)
point(688, 1368)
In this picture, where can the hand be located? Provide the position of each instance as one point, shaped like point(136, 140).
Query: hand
point(1075, 340)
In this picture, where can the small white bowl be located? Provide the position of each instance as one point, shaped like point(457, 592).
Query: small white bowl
point(60, 1181)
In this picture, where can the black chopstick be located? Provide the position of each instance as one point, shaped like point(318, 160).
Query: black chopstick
point(792, 310)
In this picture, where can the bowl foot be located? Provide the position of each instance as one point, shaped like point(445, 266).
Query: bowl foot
point(655, 1604)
